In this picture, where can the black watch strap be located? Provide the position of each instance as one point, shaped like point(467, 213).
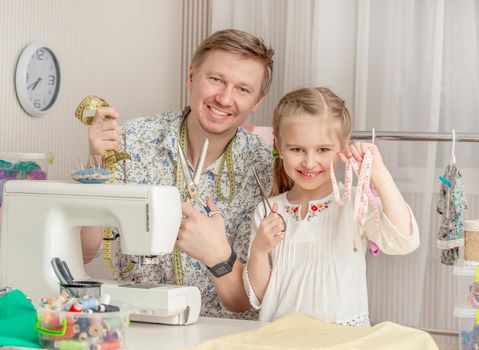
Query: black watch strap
point(224, 267)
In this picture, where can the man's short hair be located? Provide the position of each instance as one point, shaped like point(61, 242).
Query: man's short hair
point(241, 43)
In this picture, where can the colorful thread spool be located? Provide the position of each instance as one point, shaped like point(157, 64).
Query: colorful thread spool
point(95, 330)
point(83, 336)
point(71, 345)
point(110, 345)
point(89, 303)
point(77, 307)
point(85, 329)
point(84, 323)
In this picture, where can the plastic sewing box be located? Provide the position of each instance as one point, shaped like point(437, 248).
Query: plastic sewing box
point(468, 327)
point(24, 166)
point(467, 289)
point(81, 330)
point(467, 305)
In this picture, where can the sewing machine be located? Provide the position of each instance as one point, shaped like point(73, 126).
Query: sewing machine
point(42, 220)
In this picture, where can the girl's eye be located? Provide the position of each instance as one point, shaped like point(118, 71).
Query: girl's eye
point(323, 149)
point(296, 149)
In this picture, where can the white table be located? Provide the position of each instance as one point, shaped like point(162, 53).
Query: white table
point(155, 336)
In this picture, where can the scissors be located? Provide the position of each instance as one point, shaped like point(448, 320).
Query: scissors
point(266, 202)
point(192, 180)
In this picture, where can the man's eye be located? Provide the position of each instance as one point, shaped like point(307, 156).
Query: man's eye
point(215, 79)
point(244, 90)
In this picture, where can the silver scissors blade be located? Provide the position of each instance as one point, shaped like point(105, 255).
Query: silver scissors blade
point(261, 191)
point(191, 185)
point(265, 199)
point(201, 161)
point(184, 166)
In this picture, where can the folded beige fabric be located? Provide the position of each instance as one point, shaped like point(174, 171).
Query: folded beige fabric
point(299, 331)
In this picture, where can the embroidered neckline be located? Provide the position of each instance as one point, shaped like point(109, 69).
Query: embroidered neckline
point(314, 208)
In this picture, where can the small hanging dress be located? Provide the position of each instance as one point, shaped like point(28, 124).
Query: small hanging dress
point(452, 206)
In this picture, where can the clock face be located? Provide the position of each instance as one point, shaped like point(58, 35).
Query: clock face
point(43, 77)
point(37, 79)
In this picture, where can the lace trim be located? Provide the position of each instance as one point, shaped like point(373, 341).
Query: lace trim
point(361, 321)
point(253, 299)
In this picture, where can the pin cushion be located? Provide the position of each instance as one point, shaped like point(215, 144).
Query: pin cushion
point(92, 175)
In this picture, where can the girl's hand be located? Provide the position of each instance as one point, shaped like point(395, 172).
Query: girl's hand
point(358, 149)
point(269, 234)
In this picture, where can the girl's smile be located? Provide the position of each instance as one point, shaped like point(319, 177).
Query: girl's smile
point(309, 174)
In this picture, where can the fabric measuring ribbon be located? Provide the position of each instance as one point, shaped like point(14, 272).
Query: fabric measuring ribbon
point(363, 193)
point(111, 157)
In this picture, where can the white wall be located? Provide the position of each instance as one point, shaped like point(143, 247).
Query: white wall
point(127, 52)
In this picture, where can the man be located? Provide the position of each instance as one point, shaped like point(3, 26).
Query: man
point(229, 77)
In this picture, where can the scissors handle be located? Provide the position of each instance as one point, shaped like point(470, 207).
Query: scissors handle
point(205, 206)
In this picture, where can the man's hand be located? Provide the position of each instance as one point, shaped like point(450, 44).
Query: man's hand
point(269, 234)
point(104, 133)
point(203, 237)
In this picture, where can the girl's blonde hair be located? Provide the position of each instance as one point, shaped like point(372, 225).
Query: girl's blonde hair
point(320, 102)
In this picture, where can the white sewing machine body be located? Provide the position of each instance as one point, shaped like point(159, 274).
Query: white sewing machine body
point(42, 220)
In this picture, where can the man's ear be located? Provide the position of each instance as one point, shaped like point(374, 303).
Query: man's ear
point(190, 76)
point(256, 106)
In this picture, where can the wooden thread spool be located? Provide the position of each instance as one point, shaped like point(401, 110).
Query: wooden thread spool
point(471, 240)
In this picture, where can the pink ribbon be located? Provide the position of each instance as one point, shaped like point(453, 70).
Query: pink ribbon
point(363, 196)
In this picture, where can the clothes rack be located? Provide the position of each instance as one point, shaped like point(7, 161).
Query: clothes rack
point(414, 136)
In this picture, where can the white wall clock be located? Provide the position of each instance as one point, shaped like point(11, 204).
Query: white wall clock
point(37, 79)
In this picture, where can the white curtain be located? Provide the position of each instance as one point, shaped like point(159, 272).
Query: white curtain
point(409, 65)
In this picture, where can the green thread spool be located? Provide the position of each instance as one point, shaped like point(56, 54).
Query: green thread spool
point(71, 345)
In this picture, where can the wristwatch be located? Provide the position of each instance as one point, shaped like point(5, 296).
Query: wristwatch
point(224, 267)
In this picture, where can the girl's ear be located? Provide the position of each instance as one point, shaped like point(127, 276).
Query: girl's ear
point(275, 142)
point(276, 153)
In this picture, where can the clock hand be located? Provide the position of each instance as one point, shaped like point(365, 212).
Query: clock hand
point(34, 85)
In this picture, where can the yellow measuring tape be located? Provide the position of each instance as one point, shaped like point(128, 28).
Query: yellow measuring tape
point(111, 157)
point(180, 184)
point(228, 159)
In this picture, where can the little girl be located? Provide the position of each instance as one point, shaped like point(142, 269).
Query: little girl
point(318, 265)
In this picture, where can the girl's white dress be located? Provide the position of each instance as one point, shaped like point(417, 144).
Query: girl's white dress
point(315, 269)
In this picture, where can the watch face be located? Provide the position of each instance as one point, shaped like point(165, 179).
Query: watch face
point(222, 270)
point(42, 79)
